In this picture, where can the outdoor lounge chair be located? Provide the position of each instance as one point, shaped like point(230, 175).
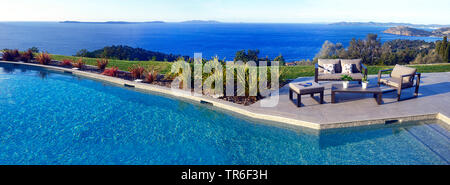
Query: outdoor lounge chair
point(357, 73)
point(401, 77)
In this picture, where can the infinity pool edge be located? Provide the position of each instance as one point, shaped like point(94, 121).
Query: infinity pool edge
point(237, 108)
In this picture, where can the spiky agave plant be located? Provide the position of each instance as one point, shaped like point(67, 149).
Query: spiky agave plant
point(27, 56)
point(137, 71)
point(44, 58)
point(79, 64)
point(11, 55)
point(111, 71)
point(177, 70)
point(242, 78)
point(102, 63)
point(152, 74)
point(66, 63)
point(214, 77)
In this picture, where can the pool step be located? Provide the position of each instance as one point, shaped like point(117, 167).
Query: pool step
point(432, 139)
point(444, 132)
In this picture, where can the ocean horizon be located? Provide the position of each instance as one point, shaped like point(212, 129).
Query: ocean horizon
point(295, 41)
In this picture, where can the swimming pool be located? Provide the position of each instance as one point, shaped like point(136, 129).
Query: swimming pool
point(55, 118)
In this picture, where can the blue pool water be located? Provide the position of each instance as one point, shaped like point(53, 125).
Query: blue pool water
point(55, 118)
point(294, 41)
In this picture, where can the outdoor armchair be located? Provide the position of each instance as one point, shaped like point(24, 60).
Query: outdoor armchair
point(401, 77)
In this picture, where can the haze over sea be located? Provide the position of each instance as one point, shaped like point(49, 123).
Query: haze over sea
point(293, 41)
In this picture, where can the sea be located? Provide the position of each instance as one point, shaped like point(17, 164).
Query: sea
point(294, 41)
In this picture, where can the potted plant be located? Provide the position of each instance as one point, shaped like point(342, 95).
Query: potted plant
point(365, 82)
point(346, 79)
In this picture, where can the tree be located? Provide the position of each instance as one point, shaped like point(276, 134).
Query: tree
point(280, 59)
point(447, 53)
point(431, 57)
point(126, 53)
point(83, 53)
point(241, 56)
point(372, 52)
point(438, 46)
point(328, 50)
point(34, 49)
point(251, 55)
point(443, 47)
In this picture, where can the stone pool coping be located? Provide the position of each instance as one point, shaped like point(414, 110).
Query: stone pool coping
point(260, 114)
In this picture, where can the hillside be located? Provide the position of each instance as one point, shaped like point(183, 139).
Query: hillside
point(110, 22)
point(408, 31)
point(442, 31)
point(389, 24)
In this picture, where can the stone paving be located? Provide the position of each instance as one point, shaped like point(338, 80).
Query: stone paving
point(434, 98)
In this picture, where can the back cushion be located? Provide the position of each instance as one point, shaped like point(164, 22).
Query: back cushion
point(328, 68)
point(336, 62)
point(347, 68)
point(356, 63)
point(399, 70)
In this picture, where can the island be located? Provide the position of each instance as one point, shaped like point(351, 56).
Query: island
point(111, 22)
point(201, 22)
point(389, 24)
point(409, 31)
point(126, 22)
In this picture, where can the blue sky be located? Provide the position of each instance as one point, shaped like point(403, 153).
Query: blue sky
point(283, 11)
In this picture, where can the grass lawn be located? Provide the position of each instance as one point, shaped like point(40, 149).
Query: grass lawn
point(292, 72)
point(288, 72)
point(123, 65)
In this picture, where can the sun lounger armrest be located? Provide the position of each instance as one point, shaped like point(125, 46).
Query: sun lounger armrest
point(365, 69)
point(403, 76)
point(418, 79)
point(316, 72)
point(384, 70)
point(411, 75)
point(381, 71)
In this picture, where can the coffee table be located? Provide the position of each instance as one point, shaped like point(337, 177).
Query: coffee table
point(356, 88)
point(303, 88)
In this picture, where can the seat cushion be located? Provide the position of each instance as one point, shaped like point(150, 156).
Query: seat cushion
point(393, 82)
point(356, 63)
point(336, 62)
point(399, 70)
point(300, 89)
point(356, 76)
point(337, 76)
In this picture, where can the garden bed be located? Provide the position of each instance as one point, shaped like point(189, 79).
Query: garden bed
point(160, 80)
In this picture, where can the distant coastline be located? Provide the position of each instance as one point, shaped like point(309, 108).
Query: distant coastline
point(111, 22)
point(343, 23)
point(408, 31)
point(390, 24)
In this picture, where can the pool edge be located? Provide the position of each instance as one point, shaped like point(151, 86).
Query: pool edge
point(234, 108)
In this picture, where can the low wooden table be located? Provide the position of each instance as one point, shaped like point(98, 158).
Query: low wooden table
point(300, 90)
point(356, 88)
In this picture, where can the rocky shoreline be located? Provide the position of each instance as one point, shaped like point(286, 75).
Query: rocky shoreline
point(409, 31)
